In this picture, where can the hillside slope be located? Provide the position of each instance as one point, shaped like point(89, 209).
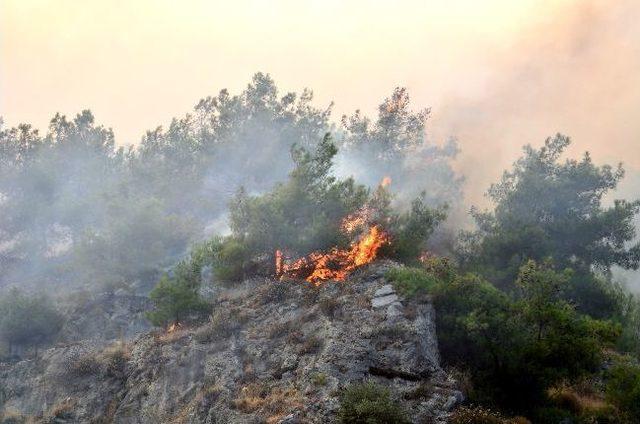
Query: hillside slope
point(272, 352)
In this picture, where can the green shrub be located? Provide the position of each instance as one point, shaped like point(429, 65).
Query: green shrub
point(369, 403)
point(411, 281)
point(231, 261)
point(411, 230)
point(517, 347)
point(319, 379)
point(175, 301)
point(623, 388)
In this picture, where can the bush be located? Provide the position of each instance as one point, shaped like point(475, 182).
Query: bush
point(411, 230)
point(411, 281)
point(319, 379)
point(274, 291)
point(115, 360)
point(280, 329)
point(221, 326)
point(301, 215)
point(480, 415)
point(28, 320)
point(328, 306)
point(623, 388)
point(175, 301)
point(369, 403)
point(310, 345)
point(12, 417)
point(84, 365)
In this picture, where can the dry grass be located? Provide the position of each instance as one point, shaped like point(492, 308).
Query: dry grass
point(12, 416)
point(62, 410)
point(481, 415)
point(274, 292)
point(281, 329)
point(311, 345)
point(577, 400)
point(273, 403)
point(223, 324)
point(165, 337)
point(329, 306)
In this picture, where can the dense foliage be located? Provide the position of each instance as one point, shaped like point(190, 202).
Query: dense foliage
point(76, 210)
point(548, 208)
point(623, 388)
point(304, 213)
point(27, 320)
point(516, 346)
point(369, 403)
point(527, 305)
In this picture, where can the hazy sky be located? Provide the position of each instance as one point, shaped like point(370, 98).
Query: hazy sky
point(497, 73)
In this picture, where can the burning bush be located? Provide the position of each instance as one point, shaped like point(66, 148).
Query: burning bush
point(313, 227)
point(302, 215)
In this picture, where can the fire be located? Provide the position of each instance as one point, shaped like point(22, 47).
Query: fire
point(356, 220)
point(335, 264)
point(173, 327)
point(385, 181)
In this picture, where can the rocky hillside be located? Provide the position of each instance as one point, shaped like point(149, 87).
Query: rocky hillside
point(272, 352)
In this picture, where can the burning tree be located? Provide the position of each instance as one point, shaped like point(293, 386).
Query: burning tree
point(302, 215)
point(315, 227)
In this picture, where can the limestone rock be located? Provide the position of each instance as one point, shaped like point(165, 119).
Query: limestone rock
point(284, 360)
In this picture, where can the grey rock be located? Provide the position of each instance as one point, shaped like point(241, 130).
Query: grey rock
point(384, 291)
point(287, 356)
point(379, 302)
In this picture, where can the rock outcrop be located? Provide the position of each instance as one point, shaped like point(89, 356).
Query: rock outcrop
point(274, 352)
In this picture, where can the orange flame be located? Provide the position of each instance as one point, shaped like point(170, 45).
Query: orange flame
point(356, 220)
point(335, 264)
point(173, 327)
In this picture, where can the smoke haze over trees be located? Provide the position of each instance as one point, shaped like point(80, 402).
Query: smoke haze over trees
point(264, 184)
point(79, 211)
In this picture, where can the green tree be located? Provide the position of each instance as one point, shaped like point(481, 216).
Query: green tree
point(134, 243)
point(515, 345)
point(175, 302)
point(623, 388)
point(395, 145)
point(27, 320)
point(411, 229)
point(301, 215)
point(548, 208)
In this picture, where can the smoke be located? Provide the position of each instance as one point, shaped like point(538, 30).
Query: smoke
point(576, 73)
